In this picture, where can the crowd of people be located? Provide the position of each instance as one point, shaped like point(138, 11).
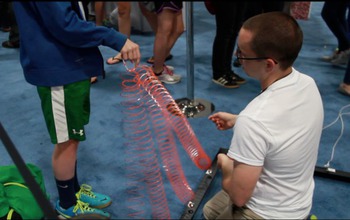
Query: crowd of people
point(168, 26)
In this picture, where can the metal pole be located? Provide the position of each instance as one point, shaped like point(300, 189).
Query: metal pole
point(189, 47)
point(190, 106)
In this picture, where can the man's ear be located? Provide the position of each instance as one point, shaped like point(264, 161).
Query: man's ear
point(270, 64)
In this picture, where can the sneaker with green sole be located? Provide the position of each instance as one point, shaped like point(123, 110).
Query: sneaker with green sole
point(95, 200)
point(80, 209)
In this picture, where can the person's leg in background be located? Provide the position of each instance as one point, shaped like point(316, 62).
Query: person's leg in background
point(170, 27)
point(99, 12)
point(148, 11)
point(252, 8)
point(124, 18)
point(228, 17)
point(268, 6)
point(348, 18)
point(13, 40)
point(286, 7)
point(257, 7)
point(5, 24)
point(344, 87)
point(334, 15)
point(124, 26)
point(100, 15)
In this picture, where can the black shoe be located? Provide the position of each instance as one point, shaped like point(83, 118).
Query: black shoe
point(226, 81)
point(239, 80)
point(9, 44)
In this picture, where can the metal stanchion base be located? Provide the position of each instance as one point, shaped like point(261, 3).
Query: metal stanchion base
point(195, 108)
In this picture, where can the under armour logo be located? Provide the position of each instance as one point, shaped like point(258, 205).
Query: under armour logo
point(81, 132)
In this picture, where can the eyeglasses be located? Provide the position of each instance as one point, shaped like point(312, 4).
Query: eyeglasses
point(239, 57)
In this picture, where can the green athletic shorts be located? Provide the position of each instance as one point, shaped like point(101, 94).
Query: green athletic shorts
point(66, 110)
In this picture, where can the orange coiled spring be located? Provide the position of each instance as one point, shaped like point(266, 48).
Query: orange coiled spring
point(152, 116)
point(175, 118)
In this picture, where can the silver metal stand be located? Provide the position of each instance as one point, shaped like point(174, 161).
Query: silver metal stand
point(192, 107)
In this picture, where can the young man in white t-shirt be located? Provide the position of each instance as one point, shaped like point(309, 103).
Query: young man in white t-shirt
point(268, 170)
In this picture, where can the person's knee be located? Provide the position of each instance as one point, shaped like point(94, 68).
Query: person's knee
point(124, 13)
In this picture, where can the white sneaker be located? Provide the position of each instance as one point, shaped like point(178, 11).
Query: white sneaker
point(168, 76)
point(342, 58)
point(171, 68)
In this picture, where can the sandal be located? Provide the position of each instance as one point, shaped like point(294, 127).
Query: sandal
point(151, 59)
point(113, 60)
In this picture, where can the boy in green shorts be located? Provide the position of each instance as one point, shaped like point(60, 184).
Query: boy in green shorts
point(59, 57)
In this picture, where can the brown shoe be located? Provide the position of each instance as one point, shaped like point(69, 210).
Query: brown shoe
point(9, 44)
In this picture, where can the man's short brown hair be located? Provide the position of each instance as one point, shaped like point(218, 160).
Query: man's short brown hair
point(276, 35)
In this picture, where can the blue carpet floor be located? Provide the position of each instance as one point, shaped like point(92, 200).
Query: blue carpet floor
point(101, 158)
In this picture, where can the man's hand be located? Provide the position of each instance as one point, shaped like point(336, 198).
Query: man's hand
point(131, 51)
point(223, 120)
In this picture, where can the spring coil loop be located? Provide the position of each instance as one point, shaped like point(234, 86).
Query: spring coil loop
point(152, 118)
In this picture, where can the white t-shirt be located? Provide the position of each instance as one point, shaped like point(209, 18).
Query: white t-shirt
point(280, 130)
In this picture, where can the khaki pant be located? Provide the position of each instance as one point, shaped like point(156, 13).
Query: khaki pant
point(221, 207)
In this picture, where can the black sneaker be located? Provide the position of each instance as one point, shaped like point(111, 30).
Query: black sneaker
point(226, 81)
point(239, 80)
